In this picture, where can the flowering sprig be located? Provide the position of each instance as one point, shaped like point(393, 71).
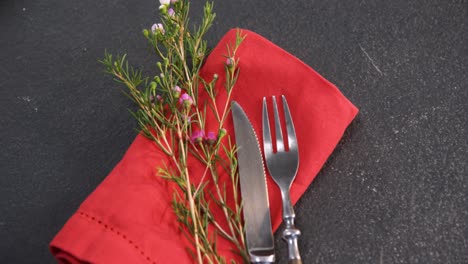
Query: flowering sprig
point(173, 115)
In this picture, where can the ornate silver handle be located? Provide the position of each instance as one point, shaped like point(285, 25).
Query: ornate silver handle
point(290, 233)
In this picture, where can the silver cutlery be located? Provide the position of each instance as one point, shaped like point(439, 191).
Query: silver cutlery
point(283, 166)
point(256, 209)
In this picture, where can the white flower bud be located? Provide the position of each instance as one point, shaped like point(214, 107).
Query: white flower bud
point(158, 28)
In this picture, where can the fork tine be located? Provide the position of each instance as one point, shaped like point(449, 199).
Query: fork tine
point(267, 147)
point(279, 133)
point(292, 140)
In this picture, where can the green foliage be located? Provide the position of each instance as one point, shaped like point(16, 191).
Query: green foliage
point(169, 116)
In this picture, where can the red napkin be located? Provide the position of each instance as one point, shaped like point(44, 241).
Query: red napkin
point(129, 219)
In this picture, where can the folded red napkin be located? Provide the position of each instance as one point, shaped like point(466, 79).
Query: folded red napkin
point(129, 219)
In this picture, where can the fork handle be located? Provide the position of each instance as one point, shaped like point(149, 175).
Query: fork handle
point(290, 233)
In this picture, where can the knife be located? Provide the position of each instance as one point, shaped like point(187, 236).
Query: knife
point(256, 209)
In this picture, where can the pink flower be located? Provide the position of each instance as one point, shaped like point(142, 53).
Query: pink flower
point(158, 28)
point(211, 138)
point(197, 136)
point(186, 100)
point(229, 62)
point(171, 12)
point(164, 2)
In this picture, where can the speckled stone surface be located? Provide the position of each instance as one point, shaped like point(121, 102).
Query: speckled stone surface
point(394, 191)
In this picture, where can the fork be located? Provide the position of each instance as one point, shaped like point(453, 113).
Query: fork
point(283, 166)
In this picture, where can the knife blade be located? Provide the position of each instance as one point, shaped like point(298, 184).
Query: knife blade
point(256, 208)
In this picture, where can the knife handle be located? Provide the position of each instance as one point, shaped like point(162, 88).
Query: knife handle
point(295, 261)
point(262, 256)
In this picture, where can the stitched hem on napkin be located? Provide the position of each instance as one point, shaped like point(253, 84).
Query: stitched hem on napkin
point(107, 241)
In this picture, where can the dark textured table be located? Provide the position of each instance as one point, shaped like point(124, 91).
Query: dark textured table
point(394, 191)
